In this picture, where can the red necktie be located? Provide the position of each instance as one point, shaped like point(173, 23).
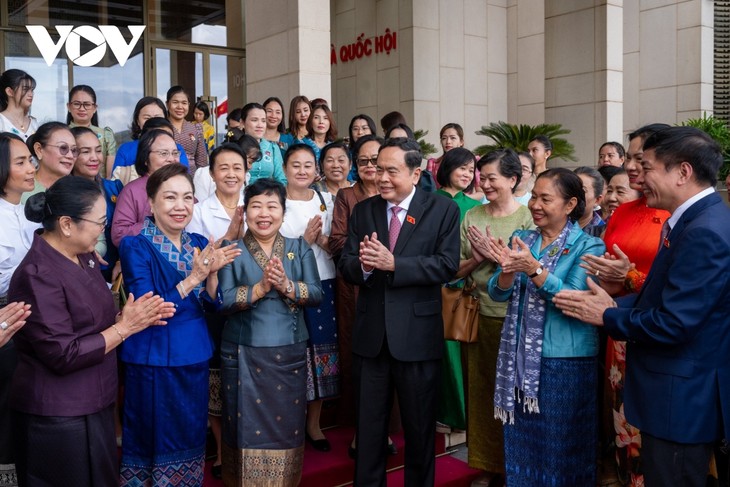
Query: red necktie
point(394, 228)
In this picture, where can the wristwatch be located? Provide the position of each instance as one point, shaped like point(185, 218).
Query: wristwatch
point(537, 272)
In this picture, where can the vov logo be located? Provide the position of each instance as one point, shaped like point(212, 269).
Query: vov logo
point(101, 37)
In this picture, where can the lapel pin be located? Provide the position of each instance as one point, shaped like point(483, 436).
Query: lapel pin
point(410, 219)
point(290, 255)
point(666, 242)
point(91, 263)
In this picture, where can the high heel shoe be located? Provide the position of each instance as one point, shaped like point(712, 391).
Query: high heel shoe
point(320, 445)
point(217, 471)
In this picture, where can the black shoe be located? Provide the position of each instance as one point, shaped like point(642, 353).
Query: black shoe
point(321, 445)
point(351, 452)
point(217, 471)
point(392, 449)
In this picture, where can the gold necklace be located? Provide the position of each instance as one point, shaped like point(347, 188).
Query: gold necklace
point(15, 122)
point(225, 205)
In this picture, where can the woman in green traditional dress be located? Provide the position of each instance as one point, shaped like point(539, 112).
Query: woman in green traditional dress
point(455, 177)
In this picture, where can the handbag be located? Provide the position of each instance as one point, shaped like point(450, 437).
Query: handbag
point(118, 293)
point(460, 312)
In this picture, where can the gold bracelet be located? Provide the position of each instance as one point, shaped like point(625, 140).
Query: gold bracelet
point(257, 291)
point(118, 332)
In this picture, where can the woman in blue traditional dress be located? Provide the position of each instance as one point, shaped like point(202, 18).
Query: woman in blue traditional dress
point(264, 347)
point(309, 215)
point(545, 391)
point(269, 164)
point(166, 368)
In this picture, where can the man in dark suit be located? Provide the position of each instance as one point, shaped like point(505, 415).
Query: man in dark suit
point(401, 246)
point(677, 385)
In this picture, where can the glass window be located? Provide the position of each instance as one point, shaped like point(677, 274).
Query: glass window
point(70, 12)
point(188, 21)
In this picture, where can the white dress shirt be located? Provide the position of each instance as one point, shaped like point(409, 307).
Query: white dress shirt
point(15, 240)
point(210, 217)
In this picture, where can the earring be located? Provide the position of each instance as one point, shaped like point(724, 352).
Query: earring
point(67, 234)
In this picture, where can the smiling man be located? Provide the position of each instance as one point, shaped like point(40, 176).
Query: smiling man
point(402, 245)
point(677, 389)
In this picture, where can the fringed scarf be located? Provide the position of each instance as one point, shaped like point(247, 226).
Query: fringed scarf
point(518, 360)
point(182, 261)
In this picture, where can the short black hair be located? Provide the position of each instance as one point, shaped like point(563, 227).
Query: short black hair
point(267, 186)
point(509, 164)
point(451, 161)
point(675, 145)
point(609, 171)
point(70, 196)
point(203, 107)
point(226, 147)
point(569, 185)
point(616, 145)
point(412, 149)
point(163, 174)
point(89, 91)
point(6, 139)
point(645, 131)
point(297, 148)
point(392, 119)
point(141, 164)
point(402, 126)
point(339, 144)
point(174, 90)
point(44, 134)
point(143, 102)
point(598, 182)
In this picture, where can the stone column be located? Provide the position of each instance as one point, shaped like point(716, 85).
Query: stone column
point(287, 49)
point(584, 73)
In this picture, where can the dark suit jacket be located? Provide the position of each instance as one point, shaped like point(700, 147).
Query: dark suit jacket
point(678, 331)
point(404, 304)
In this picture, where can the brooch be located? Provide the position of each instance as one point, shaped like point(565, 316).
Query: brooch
point(322, 208)
point(410, 219)
point(553, 251)
point(192, 137)
point(114, 199)
point(666, 242)
point(91, 263)
point(565, 251)
point(290, 256)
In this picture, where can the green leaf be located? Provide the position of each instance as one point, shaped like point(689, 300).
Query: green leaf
point(509, 136)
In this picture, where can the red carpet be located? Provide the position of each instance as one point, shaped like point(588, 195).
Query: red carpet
point(335, 468)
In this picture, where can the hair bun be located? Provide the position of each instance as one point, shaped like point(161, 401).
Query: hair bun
point(36, 208)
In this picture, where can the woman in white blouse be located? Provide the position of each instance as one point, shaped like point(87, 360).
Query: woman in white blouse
point(16, 97)
point(309, 215)
point(220, 216)
point(16, 176)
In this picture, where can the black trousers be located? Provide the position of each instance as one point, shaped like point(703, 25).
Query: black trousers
point(8, 362)
point(667, 464)
point(417, 387)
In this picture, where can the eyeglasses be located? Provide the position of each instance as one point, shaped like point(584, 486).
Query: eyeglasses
point(166, 153)
point(526, 170)
point(364, 161)
point(101, 224)
point(64, 148)
point(87, 105)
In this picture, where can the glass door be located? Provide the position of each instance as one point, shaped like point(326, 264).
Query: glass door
point(208, 74)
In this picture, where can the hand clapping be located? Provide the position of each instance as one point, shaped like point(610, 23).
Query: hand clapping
point(375, 255)
point(145, 311)
point(313, 230)
point(517, 259)
point(275, 276)
point(213, 258)
point(12, 319)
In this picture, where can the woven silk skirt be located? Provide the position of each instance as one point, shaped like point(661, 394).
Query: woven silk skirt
point(323, 358)
point(556, 447)
point(165, 424)
point(264, 408)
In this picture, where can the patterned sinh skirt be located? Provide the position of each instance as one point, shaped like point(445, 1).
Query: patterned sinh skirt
point(264, 408)
point(556, 447)
point(165, 422)
point(323, 358)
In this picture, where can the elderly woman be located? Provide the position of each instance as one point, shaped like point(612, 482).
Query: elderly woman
point(16, 177)
point(264, 345)
point(591, 221)
point(546, 360)
point(157, 149)
point(64, 388)
point(220, 216)
point(334, 163)
point(149, 113)
point(366, 157)
point(500, 173)
point(309, 215)
point(164, 438)
point(54, 147)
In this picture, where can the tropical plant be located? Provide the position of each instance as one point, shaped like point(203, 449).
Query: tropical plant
point(718, 130)
point(427, 148)
point(509, 136)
